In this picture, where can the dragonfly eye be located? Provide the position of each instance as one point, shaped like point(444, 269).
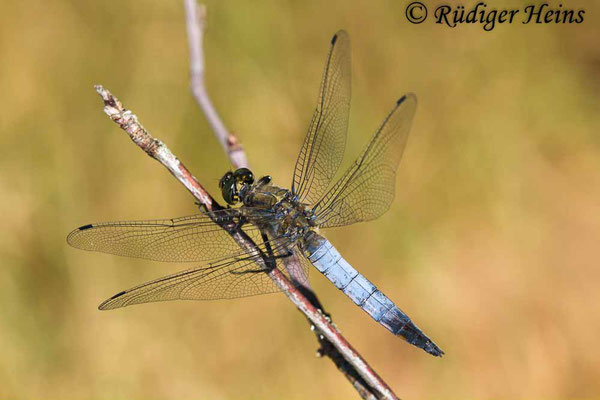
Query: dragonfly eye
point(225, 179)
point(244, 175)
point(228, 188)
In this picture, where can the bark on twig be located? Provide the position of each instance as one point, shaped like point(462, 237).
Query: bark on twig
point(153, 147)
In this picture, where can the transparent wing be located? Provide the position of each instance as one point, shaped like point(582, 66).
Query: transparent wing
point(367, 188)
point(191, 238)
point(323, 146)
point(225, 279)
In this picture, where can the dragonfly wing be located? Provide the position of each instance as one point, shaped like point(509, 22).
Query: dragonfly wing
point(192, 238)
point(323, 147)
point(367, 188)
point(225, 279)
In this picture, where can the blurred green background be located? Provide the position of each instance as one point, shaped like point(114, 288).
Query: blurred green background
point(491, 245)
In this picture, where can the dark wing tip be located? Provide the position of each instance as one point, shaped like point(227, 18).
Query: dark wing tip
point(406, 97)
point(341, 34)
point(71, 236)
point(118, 295)
point(106, 303)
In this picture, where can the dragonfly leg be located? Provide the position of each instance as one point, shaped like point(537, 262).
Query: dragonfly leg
point(267, 270)
point(269, 258)
point(240, 222)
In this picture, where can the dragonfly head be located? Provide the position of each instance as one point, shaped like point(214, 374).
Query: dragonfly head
point(232, 182)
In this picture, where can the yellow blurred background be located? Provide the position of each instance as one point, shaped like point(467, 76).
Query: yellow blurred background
point(491, 245)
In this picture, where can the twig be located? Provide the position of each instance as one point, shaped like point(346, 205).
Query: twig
point(332, 344)
point(355, 367)
point(153, 147)
point(195, 17)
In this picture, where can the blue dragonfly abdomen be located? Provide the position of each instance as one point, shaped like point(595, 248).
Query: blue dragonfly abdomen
point(363, 293)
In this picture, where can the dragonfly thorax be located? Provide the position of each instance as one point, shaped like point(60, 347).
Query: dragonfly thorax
point(289, 217)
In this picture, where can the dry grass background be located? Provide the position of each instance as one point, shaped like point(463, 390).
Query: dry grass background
point(491, 244)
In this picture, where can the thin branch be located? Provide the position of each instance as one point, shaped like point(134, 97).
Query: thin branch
point(154, 147)
point(159, 151)
point(332, 344)
point(195, 17)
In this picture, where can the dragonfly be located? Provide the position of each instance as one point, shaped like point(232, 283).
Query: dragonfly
point(281, 223)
